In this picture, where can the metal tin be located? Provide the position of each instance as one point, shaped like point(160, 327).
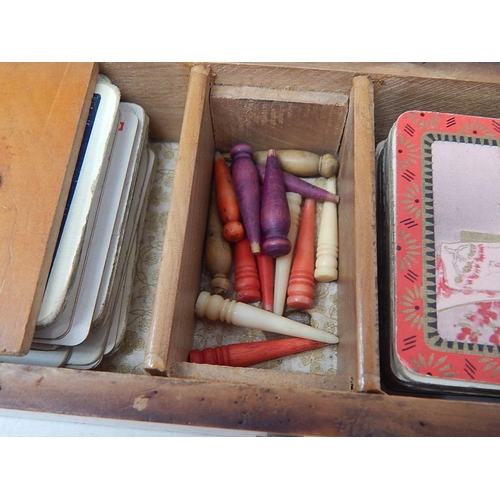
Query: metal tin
point(439, 252)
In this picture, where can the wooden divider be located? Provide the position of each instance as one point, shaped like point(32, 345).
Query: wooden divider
point(172, 325)
point(358, 304)
point(44, 108)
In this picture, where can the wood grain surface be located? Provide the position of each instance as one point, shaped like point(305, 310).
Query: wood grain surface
point(277, 119)
point(160, 88)
point(273, 408)
point(357, 291)
point(172, 323)
point(44, 110)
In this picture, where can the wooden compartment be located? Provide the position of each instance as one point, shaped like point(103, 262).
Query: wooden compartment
point(323, 107)
point(217, 116)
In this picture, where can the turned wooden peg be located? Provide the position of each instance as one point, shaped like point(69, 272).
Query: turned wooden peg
point(247, 188)
point(301, 284)
point(251, 353)
point(274, 211)
point(218, 255)
point(265, 267)
point(283, 264)
point(327, 251)
point(302, 163)
point(227, 202)
point(214, 307)
point(246, 275)
point(300, 186)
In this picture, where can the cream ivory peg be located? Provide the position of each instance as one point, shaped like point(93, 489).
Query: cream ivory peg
point(327, 250)
point(302, 163)
point(283, 264)
point(214, 307)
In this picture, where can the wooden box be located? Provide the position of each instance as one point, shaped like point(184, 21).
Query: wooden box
point(217, 116)
point(345, 108)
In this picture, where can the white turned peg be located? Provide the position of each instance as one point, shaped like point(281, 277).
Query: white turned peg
point(215, 307)
point(302, 163)
point(327, 251)
point(283, 264)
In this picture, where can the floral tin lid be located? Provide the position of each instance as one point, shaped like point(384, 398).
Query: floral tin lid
point(440, 204)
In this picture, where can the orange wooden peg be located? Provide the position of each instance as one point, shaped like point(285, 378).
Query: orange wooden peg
point(251, 353)
point(227, 202)
point(246, 275)
point(301, 284)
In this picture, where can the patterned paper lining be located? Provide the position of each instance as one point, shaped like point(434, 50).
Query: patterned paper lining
point(129, 357)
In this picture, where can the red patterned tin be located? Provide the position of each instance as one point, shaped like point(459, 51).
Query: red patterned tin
point(439, 205)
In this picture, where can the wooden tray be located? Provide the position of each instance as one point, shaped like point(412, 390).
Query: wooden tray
point(366, 100)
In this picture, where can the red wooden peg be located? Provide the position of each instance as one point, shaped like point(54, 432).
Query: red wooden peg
point(283, 264)
point(265, 266)
point(246, 276)
point(251, 353)
point(227, 202)
point(301, 284)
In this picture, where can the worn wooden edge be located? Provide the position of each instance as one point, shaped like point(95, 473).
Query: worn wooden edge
point(276, 410)
point(277, 118)
point(279, 95)
point(172, 323)
point(346, 303)
point(358, 306)
point(338, 76)
point(366, 235)
point(259, 377)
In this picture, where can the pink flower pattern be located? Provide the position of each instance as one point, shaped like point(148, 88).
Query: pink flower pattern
point(477, 322)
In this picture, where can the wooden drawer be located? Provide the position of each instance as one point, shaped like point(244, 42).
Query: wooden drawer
point(324, 107)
